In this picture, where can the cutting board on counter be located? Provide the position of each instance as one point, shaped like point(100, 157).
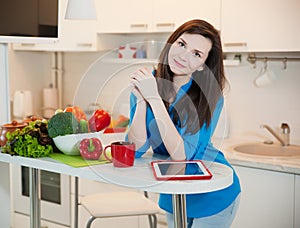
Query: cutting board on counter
point(76, 160)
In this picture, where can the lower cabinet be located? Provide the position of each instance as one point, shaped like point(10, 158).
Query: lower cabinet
point(267, 199)
point(23, 221)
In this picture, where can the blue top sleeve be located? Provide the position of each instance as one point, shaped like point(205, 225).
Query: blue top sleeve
point(194, 144)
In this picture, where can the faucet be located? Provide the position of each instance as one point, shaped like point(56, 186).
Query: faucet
point(284, 139)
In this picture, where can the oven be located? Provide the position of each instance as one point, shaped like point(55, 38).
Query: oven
point(55, 194)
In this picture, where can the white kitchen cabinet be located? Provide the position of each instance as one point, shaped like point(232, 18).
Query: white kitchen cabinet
point(124, 16)
point(169, 14)
point(297, 201)
point(74, 35)
point(133, 16)
point(22, 221)
point(269, 25)
point(267, 199)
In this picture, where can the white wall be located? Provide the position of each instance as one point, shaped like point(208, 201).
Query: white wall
point(29, 71)
point(247, 106)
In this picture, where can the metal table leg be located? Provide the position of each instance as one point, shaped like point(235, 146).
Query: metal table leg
point(35, 202)
point(179, 210)
point(76, 203)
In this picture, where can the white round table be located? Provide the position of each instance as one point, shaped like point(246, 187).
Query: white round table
point(141, 177)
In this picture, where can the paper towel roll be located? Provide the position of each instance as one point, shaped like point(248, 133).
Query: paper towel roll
point(50, 102)
point(28, 106)
point(22, 105)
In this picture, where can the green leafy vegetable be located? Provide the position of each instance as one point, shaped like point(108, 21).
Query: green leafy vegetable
point(31, 141)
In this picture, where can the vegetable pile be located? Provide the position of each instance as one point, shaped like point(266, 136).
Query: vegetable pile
point(31, 141)
point(36, 139)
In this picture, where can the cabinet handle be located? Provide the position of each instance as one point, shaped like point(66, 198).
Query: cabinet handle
point(238, 44)
point(27, 45)
point(44, 226)
point(85, 44)
point(139, 25)
point(165, 25)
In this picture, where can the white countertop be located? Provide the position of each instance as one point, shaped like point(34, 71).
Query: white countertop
point(288, 164)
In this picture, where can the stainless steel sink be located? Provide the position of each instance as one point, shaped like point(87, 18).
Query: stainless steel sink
point(268, 149)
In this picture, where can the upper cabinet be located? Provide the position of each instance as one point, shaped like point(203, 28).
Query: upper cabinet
point(245, 26)
point(75, 35)
point(169, 12)
point(124, 16)
point(260, 26)
point(134, 16)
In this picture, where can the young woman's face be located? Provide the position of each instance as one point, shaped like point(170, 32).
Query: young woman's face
point(188, 54)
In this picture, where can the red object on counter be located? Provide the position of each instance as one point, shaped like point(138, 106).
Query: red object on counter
point(114, 130)
point(99, 120)
point(90, 149)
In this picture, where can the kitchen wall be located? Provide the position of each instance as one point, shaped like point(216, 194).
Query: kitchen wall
point(246, 105)
point(29, 71)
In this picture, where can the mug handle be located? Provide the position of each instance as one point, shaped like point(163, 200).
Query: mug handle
point(105, 155)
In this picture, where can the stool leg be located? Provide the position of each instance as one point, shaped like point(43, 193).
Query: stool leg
point(150, 221)
point(154, 221)
point(89, 223)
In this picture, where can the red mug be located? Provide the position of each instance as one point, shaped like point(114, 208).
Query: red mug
point(122, 153)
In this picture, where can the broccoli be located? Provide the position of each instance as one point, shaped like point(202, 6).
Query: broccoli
point(62, 123)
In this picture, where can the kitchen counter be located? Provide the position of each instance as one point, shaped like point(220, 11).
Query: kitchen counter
point(140, 176)
point(286, 164)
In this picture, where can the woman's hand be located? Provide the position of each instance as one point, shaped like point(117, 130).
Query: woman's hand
point(145, 84)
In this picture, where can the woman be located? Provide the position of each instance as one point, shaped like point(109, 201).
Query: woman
point(175, 109)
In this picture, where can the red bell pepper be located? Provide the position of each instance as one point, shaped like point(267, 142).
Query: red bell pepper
point(90, 149)
point(99, 120)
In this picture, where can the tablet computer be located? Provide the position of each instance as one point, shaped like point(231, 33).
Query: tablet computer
point(180, 170)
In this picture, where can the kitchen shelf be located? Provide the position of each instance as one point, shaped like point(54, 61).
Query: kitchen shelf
point(226, 62)
point(130, 61)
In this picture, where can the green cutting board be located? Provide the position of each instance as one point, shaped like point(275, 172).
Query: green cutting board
point(76, 160)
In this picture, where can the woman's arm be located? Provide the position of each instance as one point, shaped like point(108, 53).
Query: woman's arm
point(137, 131)
point(170, 136)
point(145, 84)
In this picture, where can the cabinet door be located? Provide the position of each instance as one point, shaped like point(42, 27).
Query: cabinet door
point(269, 25)
point(74, 35)
point(297, 201)
point(124, 16)
point(168, 14)
point(267, 199)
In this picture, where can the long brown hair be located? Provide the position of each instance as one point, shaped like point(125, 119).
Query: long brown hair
point(195, 108)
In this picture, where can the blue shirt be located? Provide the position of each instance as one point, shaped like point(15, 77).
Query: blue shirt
point(197, 146)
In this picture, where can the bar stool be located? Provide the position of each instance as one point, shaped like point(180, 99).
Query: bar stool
point(120, 204)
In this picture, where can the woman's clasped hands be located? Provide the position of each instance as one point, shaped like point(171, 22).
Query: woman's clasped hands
point(144, 85)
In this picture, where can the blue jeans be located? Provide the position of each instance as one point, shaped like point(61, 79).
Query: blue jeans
point(223, 219)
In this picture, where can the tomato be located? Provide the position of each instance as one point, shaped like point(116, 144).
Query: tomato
point(99, 120)
point(77, 111)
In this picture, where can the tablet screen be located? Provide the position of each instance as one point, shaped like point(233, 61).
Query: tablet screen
point(180, 170)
